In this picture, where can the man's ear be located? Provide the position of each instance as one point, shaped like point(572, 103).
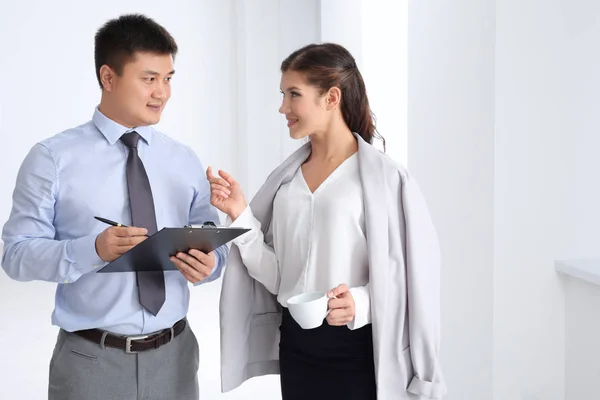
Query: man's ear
point(107, 78)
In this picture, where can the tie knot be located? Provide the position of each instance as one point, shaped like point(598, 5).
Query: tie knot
point(131, 139)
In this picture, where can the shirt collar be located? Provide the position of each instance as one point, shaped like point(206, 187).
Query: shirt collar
point(113, 131)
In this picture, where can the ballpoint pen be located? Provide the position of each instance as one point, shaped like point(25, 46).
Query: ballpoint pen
point(113, 223)
point(109, 222)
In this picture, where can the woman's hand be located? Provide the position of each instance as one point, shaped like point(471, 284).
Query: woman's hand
point(226, 194)
point(341, 304)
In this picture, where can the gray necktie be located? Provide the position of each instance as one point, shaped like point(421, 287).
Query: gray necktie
point(151, 284)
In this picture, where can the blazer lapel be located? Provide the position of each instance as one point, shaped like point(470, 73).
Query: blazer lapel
point(372, 175)
point(262, 203)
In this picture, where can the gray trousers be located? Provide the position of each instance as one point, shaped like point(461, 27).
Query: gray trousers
point(82, 370)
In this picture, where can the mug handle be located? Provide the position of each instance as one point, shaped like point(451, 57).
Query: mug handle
point(329, 309)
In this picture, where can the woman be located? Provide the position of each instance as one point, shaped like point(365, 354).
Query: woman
point(339, 217)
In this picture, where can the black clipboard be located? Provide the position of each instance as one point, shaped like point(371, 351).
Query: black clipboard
point(153, 253)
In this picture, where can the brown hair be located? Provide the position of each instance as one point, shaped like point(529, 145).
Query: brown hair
point(330, 65)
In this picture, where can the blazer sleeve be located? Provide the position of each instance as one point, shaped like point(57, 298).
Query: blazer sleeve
point(422, 253)
point(258, 257)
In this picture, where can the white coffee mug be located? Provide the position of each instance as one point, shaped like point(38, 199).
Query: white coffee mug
point(309, 309)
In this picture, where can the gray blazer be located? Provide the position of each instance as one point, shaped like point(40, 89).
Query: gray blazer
point(404, 285)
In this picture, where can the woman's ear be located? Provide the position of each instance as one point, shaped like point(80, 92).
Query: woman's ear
point(333, 98)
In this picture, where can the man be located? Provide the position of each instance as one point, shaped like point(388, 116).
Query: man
point(123, 335)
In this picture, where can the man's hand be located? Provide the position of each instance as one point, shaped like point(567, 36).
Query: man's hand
point(195, 265)
point(116, 240)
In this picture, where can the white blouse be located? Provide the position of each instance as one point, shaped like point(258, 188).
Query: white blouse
point(319, 240)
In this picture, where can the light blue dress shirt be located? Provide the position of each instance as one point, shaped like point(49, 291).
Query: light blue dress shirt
point(68, 179)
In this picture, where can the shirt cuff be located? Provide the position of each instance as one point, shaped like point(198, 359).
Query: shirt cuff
point(244, 220)
point(214, 274)
point(82, 253)
point(362, 307)
point(428, 390)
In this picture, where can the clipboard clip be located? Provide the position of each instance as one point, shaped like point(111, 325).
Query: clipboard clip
point(204, 225)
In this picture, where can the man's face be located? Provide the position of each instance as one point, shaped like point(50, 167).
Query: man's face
point(139, 95)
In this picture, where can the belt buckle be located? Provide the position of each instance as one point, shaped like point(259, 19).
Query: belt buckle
point(128, 341)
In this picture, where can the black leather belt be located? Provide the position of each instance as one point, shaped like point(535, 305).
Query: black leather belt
point(133, 344)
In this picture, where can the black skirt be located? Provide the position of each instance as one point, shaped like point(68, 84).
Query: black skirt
point(328, 362)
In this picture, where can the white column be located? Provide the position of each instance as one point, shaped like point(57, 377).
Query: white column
point(375, 32)
point(267, 31)
point(451, 153)
point(299, 26)
point(341, 22)
point(385, 70)
point(539, 106)
point(257, 100)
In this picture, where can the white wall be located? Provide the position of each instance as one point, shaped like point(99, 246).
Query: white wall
point(582, 92)
point(502, 137)
point(451, 154)
point(582, 345)
point(533, 169)
point(546, 183)
point(579, 21)
point(582, 66)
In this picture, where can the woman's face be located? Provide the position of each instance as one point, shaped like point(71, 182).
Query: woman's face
point(304, 107)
